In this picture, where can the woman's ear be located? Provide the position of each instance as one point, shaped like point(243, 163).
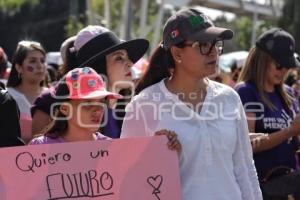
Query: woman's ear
point(66, 109)
point(18, 68)
point(176, 53)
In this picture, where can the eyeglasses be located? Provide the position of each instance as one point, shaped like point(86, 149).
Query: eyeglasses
point(206, 47)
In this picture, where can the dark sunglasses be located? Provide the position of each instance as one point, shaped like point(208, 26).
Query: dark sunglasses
point(206, 47)
point(278, 67)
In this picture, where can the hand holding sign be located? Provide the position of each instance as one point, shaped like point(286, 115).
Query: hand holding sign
point(124, 169)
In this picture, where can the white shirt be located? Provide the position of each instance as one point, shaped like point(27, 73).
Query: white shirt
point(216, 162)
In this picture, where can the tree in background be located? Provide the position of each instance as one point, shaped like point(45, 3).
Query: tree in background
point(242, 27)
point(290, 20)
point(229, 45)
point(116, 15)
point(45, 21)
point(13, 6)
point(52, 21)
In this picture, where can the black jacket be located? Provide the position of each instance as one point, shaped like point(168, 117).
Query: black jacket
point(10, 132)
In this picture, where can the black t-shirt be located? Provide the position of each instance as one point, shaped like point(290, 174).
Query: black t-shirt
point(10, 133)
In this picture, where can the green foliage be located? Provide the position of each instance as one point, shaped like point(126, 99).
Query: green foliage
point(290, 20)
point(73, 26)
point(116, 11)
point(44, 22)
point(243, 30)
point(13, 6)
point(229, 45)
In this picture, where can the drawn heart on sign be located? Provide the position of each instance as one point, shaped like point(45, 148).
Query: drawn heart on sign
point(155, 182)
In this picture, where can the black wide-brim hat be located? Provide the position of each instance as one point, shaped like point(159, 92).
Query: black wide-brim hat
point(97, 48)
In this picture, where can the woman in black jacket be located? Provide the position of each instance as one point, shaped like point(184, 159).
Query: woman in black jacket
point(9, 121)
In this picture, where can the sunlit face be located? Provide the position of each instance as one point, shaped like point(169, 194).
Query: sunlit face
point(85, 114)
point(195, 63)
point(275, 74)
point(119, 69)
point(33, 68)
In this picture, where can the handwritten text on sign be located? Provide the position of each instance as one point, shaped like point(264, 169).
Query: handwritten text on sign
point(125, 169)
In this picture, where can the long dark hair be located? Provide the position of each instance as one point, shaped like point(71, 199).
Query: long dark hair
point(255, 71)
point(70, 62)
point(19, 56)
point(101, 68)
point(160, 66)
point(59, 124)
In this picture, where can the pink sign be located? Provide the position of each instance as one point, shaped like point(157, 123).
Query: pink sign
point(124, 169)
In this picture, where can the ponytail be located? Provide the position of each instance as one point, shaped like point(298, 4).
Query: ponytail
point(159, 67)
point(70, 61)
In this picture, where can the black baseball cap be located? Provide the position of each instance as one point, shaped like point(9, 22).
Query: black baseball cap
point(192, 24)
point(280, 45)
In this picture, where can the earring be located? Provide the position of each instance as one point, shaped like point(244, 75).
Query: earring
point(19, 76)
point(179, 61)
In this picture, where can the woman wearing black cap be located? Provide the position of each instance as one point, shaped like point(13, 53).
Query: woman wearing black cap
point(216, 160)
point(100, 49)
point(270, 105)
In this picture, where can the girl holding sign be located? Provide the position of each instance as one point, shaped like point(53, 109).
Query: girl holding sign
point(216, 160)
point(79, 108)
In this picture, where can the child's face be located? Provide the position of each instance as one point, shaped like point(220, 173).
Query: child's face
point(87, 113)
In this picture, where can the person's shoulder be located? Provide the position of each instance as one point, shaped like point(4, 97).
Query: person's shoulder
point(100, 136)
point(220, 89)
point(248, 92)
point(3, 94)
point(12, 90)
point(18, 96)
point(245, 86)
point(153, 88)
point(246, 89)
point(291, 91)
point(43, 102)
point(2, 84)
point(5, 97)
point(42, 139)
point(219, 86)
point(147, 93)
point(46, 97)
point(47, 93)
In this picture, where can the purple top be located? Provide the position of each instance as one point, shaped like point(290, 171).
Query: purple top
point(45, 100)
point(47, 140)
point(111, 129)
point(270, 121)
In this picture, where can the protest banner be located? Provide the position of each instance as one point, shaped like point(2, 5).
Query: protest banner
point(123, 169)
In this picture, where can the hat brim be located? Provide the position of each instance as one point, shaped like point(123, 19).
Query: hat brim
point(61, 93)
point(99, 95)
point(212, 33)
point(135, 49)
point(291, 62)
